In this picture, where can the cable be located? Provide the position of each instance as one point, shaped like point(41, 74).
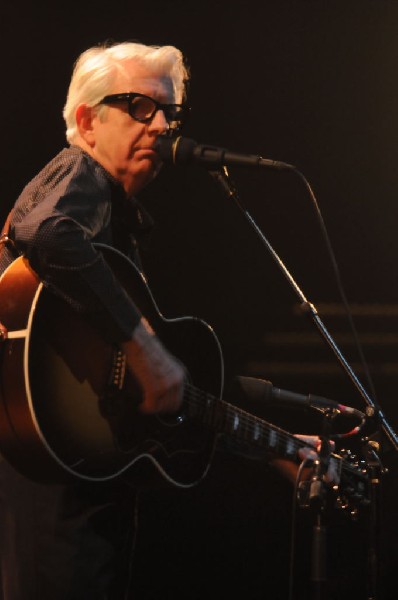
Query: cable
point(305, 463)
point(339, 284)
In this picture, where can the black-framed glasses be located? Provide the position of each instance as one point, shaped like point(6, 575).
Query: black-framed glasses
point(143, 108)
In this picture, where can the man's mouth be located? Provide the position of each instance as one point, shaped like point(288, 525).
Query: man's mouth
point(146, 152)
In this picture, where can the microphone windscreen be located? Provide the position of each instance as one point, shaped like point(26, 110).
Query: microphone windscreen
point(176, 150)
point(253, 388)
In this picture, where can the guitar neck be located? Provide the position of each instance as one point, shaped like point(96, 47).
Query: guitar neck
point(241, 426)
point(250, 433)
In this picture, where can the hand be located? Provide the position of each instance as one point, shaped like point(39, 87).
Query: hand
point(311, 451)
point(159, 374)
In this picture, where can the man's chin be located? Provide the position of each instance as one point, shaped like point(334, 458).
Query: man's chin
point(142, 177)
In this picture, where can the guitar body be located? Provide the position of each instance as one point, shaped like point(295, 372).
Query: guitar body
point(68, 405)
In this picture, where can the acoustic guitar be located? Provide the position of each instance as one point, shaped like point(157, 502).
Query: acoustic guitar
point(69, 405)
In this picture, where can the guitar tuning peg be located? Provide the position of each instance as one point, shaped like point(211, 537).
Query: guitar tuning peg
point(347, 454)
point(354, 514)
point(374, 445)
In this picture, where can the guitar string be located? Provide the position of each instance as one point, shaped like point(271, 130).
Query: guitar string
point(249, 421)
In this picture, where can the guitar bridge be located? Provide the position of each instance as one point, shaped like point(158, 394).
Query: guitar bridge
point(118, 371)
point(109, 399)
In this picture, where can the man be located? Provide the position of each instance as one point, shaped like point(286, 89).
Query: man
point(67, 541)
point(74, 541)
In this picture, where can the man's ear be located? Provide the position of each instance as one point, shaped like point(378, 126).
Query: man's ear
point(84, 119)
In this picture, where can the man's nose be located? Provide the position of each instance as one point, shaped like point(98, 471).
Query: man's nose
point(159, 122)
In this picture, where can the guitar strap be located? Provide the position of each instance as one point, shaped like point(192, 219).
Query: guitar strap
point(4, 238)
point(6, 252)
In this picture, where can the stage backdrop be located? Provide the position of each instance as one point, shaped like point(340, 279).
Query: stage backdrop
point(311, 83)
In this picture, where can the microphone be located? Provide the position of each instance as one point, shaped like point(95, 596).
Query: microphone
point(263, 390)
point(185, 151)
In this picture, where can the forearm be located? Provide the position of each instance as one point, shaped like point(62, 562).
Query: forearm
point(159, 374)
point(70, 266)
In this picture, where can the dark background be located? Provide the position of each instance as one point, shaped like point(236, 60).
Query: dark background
point(313, 83)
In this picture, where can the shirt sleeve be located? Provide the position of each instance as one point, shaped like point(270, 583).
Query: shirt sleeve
point(58, 238)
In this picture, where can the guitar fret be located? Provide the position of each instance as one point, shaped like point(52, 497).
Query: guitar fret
point(272, 438)
point(235, 423)
point(291, 447)
point(256, 432)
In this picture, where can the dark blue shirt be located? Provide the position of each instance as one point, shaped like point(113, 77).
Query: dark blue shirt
point(69, 206)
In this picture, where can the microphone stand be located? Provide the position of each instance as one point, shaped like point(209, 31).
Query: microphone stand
point(376, 470)
point(222, 177)
point(316, 501)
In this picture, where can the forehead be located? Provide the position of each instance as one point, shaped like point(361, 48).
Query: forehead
point(136, 77)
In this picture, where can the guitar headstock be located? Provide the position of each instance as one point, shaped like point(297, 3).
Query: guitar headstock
point(353, 491)
point(350, 493)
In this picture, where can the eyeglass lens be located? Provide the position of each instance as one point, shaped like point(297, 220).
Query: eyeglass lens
point(143, 108)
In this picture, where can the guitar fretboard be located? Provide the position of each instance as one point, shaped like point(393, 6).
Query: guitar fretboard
point(249, 431)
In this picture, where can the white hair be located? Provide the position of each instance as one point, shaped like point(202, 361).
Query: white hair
point(96, 69)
